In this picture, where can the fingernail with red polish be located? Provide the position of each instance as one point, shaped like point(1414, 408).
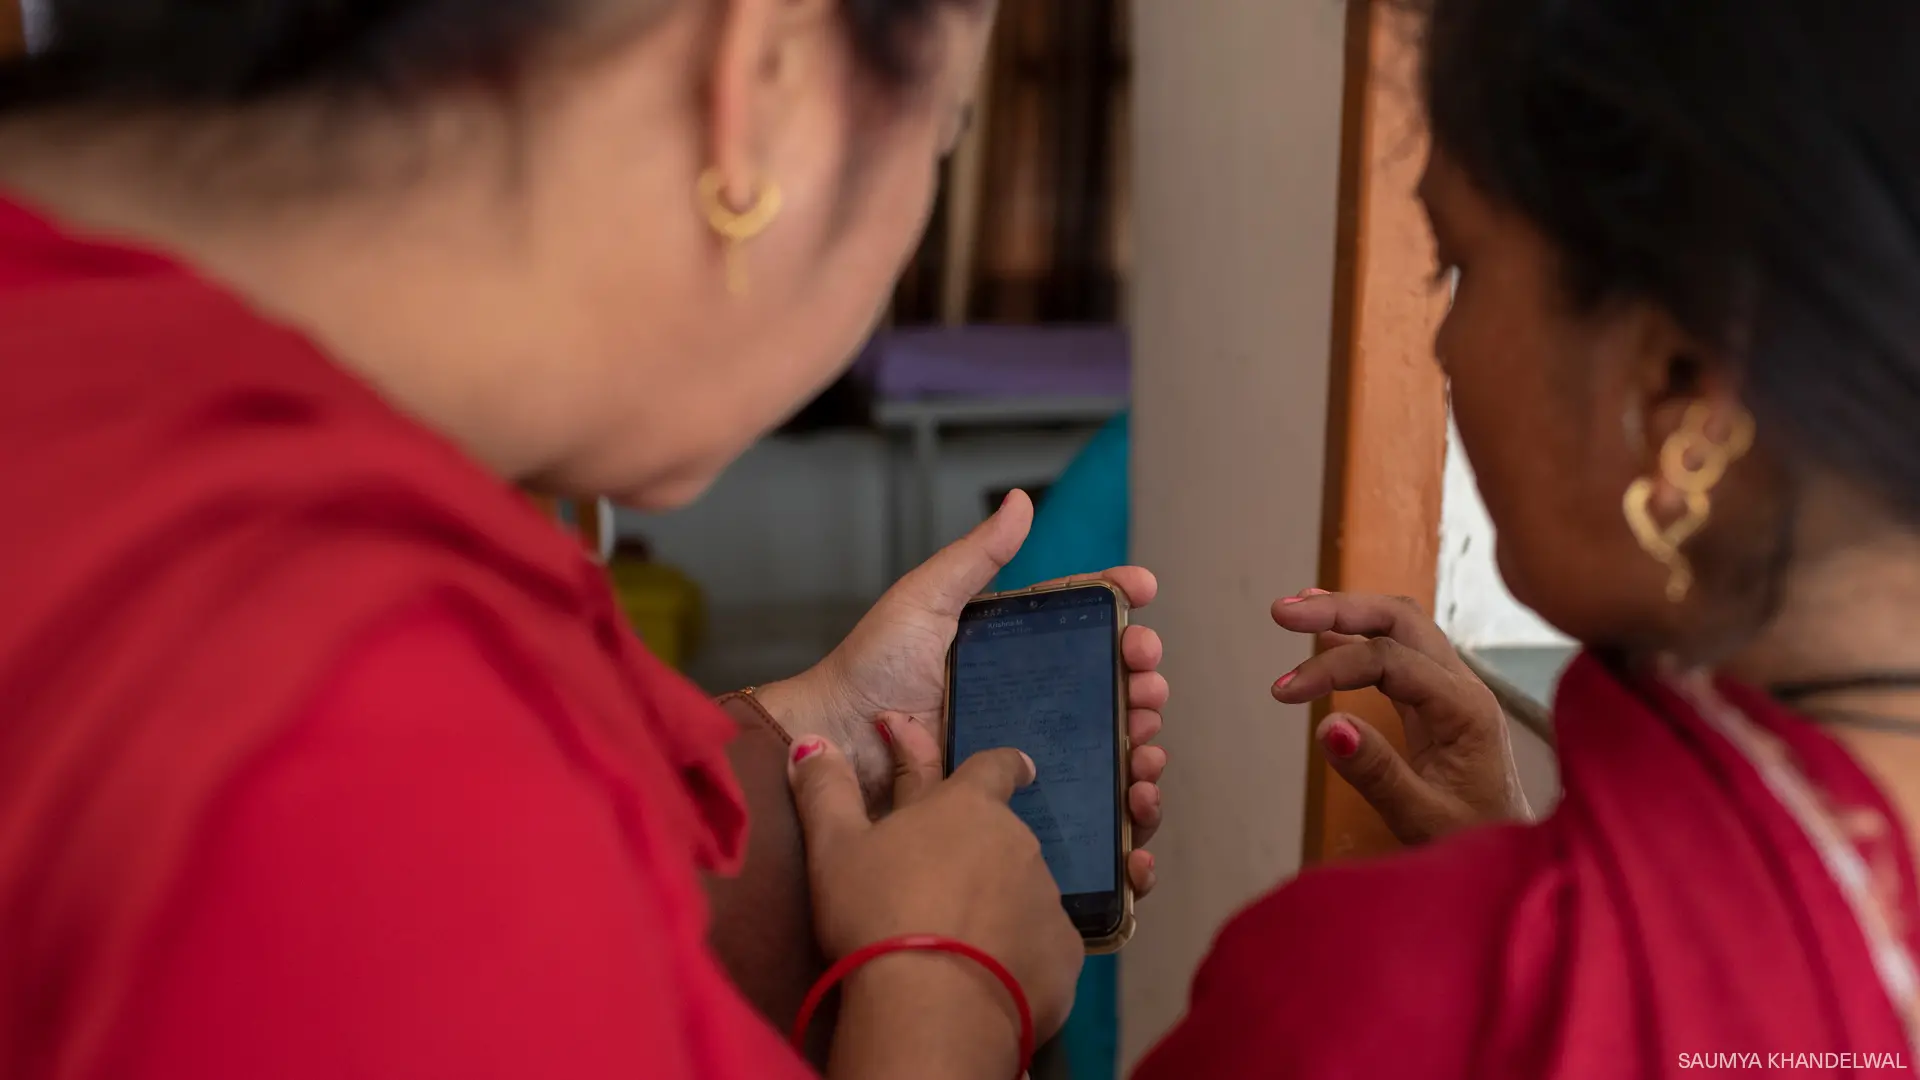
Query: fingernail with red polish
point(1285, 600)
point(1341, 739)
point(886, 734)
point(1281, 684)
point(806, 748)
point(1316, 592)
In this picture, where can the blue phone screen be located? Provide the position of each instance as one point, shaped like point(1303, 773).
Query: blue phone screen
point(1037, 674)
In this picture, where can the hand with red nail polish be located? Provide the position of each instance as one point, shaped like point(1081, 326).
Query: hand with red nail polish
point(1340, 737)
point(951, 859)
point(894, 661)
point(1459, 769)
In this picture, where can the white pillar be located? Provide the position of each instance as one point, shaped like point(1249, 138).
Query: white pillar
point(1237, 162)
point(34, 16)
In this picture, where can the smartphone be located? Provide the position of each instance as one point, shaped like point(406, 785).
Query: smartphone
point(1040, 670)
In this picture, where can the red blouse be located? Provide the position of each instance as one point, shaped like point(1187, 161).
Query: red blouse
point(323, 754)
point(1671, 916)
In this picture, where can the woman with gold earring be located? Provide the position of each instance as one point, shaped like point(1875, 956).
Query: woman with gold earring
point(324, 753)
point(1684, 354)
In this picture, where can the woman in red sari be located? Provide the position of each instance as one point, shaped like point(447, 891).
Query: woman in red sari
point(322, 754)
point(1684, 352)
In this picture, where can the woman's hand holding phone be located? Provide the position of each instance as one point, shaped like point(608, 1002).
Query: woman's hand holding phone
point(896, 661)
point(952, 860)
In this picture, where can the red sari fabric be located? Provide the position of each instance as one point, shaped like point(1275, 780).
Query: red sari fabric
point(322, 753)
point(1670, 918)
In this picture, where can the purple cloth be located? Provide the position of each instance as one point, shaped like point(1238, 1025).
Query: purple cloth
point(998, 362)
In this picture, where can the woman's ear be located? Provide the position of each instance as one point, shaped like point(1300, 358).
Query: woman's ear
point(1671, 371)
point(762, 54)
point(742, 45)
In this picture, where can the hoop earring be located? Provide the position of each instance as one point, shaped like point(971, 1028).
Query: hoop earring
point(736, 227)
point(1694, 464)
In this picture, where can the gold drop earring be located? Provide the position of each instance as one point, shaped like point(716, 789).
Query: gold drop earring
point(736, 227)
point(1693, 464)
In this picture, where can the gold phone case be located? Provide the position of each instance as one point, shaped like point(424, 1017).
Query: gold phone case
point(1113, 942)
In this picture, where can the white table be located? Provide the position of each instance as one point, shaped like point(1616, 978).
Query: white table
point(920, 423)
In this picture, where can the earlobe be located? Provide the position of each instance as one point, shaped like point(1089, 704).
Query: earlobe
point(1683, 418)
point(1664, 364)
point(763, 53)
point(1668, 374)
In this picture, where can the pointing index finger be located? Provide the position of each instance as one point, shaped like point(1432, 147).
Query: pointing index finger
point(1368, 615)
point(996, 773)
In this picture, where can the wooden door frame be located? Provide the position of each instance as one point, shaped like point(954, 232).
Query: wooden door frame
point(1387, 405)
point(13, 27)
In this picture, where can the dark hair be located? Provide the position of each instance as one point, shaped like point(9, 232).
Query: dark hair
point(1752, 166)
point(236, 53)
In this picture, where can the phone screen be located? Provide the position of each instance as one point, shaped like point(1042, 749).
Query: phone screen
point(1038, 673)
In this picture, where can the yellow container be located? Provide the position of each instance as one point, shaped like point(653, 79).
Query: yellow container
point(663, 604)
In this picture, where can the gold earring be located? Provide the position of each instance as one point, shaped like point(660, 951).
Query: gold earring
point(1694, 464)
point(736, 227)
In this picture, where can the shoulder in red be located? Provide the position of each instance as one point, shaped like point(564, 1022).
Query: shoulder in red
point(227, 559)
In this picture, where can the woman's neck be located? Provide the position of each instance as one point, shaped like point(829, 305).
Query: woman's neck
point(1849, 607)
point(1853, 613)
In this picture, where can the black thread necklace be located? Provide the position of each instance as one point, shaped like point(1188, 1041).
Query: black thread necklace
point(1798, 694)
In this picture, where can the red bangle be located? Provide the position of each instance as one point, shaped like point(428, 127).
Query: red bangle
point(851, 962)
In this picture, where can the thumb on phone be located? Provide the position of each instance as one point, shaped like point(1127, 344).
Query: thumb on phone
point(963, 568)
point(826, 794)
